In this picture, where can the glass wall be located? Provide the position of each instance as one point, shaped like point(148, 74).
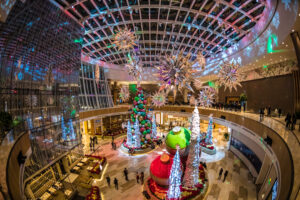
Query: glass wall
point(39, 73)
point(248, 153)
point(94, 89)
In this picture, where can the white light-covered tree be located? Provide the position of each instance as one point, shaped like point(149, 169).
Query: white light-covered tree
point(154, 131)
point(129, 135)
point(175, 178)
point(71, 128)
point(195, 122)
point(137, 138)
point(191, 175)
point(208, 139)
point(63, 128)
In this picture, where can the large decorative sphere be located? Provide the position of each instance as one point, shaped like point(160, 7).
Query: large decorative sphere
point(178, 136)
point(160, 169)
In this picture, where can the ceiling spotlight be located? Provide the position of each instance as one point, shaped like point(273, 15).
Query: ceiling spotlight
point(293, 30)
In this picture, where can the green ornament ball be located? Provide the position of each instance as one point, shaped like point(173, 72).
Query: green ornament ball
point(143, 122)
point(148, 131)
point(136, 98)
point(145, 132)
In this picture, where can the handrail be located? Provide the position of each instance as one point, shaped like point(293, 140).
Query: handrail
point(21, 144)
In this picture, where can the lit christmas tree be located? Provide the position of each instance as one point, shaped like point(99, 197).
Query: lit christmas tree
point(129, 135)
point(208, 139)
point(63, 128)
point(139, 113)
point(175, 178)
point(137, 141)
point(195, 123)
point(196, 161)
point(154, 131)
point(192, 170)
point(71, 130)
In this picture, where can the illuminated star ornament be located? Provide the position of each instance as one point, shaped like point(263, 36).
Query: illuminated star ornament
point(125, 39)
point(124, 93)
point(207, 96)
point(177, 72)
point(159, 99)
point(229, 75)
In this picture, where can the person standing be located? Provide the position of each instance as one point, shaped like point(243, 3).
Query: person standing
point(279, 112)
point(261, 114)
point(126, 174)
point(269, 111)
point(116, 183)
point(287, 120)
point(220, 173)
point(142, 177)
point(108, 180)
point(225, 175)
point(137, 177)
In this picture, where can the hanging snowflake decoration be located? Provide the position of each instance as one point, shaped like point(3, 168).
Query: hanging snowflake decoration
point(124, 93)
point(31, 100)
point(125, 39)
point(133, 67)
point(159, 99)
point(229, 75)
point(207, 96)
point(177, 72)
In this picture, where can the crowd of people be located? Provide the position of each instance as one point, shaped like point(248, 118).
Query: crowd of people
point(139, 178)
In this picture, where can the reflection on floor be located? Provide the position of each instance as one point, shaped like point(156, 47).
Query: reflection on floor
point(238, 184)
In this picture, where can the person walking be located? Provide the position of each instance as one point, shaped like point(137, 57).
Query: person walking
point(287, 120)
point(112, 145)
point(116, 183)
point(225, 175)
point(279, 112)
point(261, 114)
point(142, 178)
point(108, 180)
point(126, 174)
point(220, 173)
point(137, 177)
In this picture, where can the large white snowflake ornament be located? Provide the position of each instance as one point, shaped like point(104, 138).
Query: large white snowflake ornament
point(229, 75)
point(159, 99)
point(125, 39)
point(177, 72)
point(207, 96)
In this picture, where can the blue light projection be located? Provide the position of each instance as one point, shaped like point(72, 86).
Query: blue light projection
point(286, 4)
point(276, 20)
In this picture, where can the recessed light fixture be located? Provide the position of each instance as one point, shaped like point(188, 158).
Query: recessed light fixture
point(293, 30)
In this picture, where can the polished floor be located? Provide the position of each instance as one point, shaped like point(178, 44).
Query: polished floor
point(238, 184)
